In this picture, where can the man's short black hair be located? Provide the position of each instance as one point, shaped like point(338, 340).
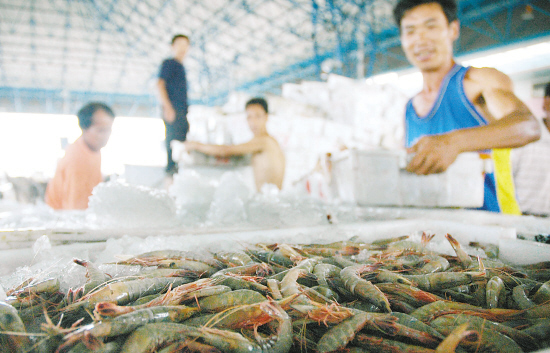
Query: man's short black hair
point(174, 38)
point(547, 90)
point(259, 101)
point(449, 8)
point(86, 112)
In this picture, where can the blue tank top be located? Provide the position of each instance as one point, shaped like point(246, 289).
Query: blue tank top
point(453, 110)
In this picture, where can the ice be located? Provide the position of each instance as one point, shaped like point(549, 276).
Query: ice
point(41, 245)
point(116, 204)
point(193, 195)
point(228, 205)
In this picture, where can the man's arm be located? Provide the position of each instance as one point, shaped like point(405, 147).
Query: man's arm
point(253, 146)
point(169, 114)
point(511, 124)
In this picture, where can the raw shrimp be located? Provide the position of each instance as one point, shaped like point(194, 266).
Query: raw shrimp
point(95, 277)
point(489, 339)
point(13, 332)
point(128, 322)
point(363, 289)
point(124, 292)
point(340, 335)
point(229, 299)
point(479, 324)
point(494, 292)
point(453, 339)
point(463, 257)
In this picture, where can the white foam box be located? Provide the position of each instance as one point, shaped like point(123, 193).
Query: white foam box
point(377, 178)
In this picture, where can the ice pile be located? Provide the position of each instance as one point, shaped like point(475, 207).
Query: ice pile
point(116, 204)
point(193, 195)
point(193, 201)
point(228, 205)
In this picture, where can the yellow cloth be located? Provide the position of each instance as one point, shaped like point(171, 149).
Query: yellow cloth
point(506, 192)
point(77, 173)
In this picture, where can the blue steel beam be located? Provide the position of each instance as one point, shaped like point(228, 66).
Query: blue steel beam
point(381, 43)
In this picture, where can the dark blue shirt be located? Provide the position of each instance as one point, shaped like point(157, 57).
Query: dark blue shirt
point(173, 73)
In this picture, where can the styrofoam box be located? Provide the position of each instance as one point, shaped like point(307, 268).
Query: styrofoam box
point(510, 249)
point(377, 178)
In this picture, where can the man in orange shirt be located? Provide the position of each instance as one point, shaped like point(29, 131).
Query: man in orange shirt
point(79, 171)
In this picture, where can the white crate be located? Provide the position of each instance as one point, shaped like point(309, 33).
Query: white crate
point(377, 178)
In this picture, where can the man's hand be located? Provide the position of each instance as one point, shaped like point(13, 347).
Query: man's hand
point(169, 113)
point(433, 154)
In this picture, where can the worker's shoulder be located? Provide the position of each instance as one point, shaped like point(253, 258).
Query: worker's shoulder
point(488, 77)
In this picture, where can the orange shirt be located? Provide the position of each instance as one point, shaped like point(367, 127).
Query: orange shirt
point(77, 173)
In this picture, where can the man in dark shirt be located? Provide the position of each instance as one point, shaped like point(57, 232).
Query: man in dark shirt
point(172, 86)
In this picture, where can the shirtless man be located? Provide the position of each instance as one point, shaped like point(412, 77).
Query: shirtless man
point(268, 160)
point(459, 109)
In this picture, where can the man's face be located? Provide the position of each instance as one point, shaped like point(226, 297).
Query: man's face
point(427, 38)
point(97, 135)
point(256, 117)
point(180, 47)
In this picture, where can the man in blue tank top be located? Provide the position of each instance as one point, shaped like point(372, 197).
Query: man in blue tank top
point(459, 109)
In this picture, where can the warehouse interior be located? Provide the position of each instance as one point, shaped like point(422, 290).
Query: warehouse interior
point(338, 83)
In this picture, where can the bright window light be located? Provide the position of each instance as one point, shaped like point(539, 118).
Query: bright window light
point(31, 144)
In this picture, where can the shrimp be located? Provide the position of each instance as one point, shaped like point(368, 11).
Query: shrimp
point(13, 330)
point(524, 340)
point(379, 344)
point(540, 330)
point(389, 326)
point(520, 298)
point(543, 294)
point(340, 335)
point(434, 263)
point(411, 246)
point(233, 258)
point(271, 257)
point(95, 278)
point(362, 288)
point(189, 345)
point(453, 339)
point(489, 339)
point(322, 271)
point(433, 310)
point(413, 296)
point(412, 322)
point(32, 292)
point(443, 280)
point(149, 337)
point(273, 286)
point(289, 285)
point(229, 299)
point(328, 251)
point(252, 268)
point(463, 257)
point(124, 292)
point(386, 241)
point(494, 292)
point(290, 252)
point(128, 322)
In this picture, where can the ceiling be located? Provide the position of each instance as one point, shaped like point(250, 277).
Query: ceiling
point(56, 54)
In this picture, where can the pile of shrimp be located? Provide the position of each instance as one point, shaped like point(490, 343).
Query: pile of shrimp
point(393, 295)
